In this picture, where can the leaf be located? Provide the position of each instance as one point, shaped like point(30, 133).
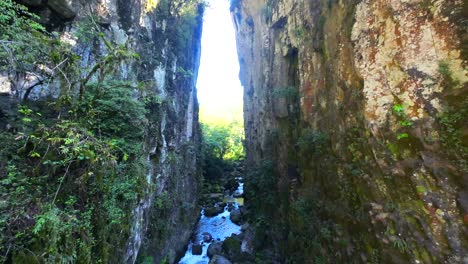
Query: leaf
point(402, 136)
point(398, 108)
point(34, 155)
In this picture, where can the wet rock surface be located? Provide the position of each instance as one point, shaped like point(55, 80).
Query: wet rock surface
point(215, 248)
point(235, 216)
point(197, 249)
point(215, 227)
point(219, 260)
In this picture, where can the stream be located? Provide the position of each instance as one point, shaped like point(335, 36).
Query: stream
point(214, 227)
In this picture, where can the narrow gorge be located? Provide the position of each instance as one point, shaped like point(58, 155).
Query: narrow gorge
point(354, 113)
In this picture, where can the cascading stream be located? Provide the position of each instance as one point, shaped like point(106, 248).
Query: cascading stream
point(219, 227)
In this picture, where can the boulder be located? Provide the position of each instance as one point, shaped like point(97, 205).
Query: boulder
point(231, 185)
point(213, 211)
point(230, 206)
point(235, 216)
point(207, 237)
point(197, 249)
point(63, 8)
point(248, 241)
point(215, 248)
point(232, 246)
point(244, 227)
point(217, 259)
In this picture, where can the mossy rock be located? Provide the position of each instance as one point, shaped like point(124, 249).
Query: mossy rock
point(213, 211)
point(217, 259)
point(232, 246)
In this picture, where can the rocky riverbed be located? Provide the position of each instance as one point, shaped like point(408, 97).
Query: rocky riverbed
point(220, 234)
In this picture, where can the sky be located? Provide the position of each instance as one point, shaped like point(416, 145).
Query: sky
point(219, 88)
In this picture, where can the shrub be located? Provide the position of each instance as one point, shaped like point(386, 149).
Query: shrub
point(312, 143)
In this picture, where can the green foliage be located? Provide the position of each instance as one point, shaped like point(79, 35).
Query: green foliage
point(87, 28)
point(310, 235)
point(402, 136)
point(184, 73)
point(186, 24)
point(453, 121)
point(400, 244)
point(224, 141)
point(261, 182)
point(24, 44)
point(312, 143)
point(447, 76)
point(71, 170)
point(399, 111)
point(300, 32)
point(82, 173)
point(113, 112)
point(222, 144)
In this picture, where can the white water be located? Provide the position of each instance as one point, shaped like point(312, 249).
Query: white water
point(219, 226)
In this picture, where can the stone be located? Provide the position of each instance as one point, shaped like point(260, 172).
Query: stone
point(63, 8)
point(231, 185)
point(213, 211)
point(217, 259)
point(197, 249)
point(235, 216)
point(207, 237)
point(215, 248)
point(5, 85)
point(230, 206)
point(399, 61)
point(232, 246)
point(244, 227)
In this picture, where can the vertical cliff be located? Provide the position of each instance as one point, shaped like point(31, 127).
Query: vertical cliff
point(355, 118)
point(100, 116)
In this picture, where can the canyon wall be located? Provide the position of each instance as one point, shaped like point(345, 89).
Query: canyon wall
point(153, 49)
point(356, 132)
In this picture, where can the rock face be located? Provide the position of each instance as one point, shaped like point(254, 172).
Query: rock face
point(353, 114)
point(219, 260)
point(197, 249)
point(235, 216)
point(166, 35)
point(215, 248)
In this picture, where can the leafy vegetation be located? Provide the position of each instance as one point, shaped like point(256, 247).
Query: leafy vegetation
point(73, 168)
point(453, 121)
point(404, 121)
point(261, 181)
point(312, 143)
point(449, 80)
point(76, 176)
point(222, 142)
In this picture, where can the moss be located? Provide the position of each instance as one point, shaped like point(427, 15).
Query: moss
point(394, 149)
point(421, 190)
point(452, 127)
point(449, 81)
